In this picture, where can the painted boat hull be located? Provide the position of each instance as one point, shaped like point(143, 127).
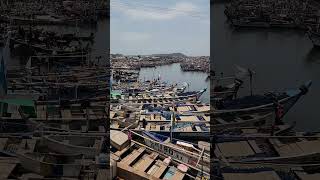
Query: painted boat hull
point(65, 148)
point(49, 169)
point(287, 102)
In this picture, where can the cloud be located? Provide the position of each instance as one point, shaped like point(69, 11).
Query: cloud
point(155, 12)
point(131, 36)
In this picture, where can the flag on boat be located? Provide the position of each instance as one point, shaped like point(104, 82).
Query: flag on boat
point(129, 135)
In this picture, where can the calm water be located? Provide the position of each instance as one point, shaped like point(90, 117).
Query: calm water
point(281, 59)
point(173, 74)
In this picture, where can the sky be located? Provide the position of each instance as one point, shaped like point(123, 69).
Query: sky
point(143, 27)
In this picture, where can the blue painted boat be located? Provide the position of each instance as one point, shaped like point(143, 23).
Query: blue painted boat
point(261, 103)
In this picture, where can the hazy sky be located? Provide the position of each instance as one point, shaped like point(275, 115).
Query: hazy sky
point(160, 26)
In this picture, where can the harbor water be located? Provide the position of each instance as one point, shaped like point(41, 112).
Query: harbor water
point(173, 74)
point(282, 59)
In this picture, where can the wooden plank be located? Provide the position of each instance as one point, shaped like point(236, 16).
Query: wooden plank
point(66, 113)
point(148, 160)
point(305, 176)
point(3, 142)
point(6, 170)
point(309, 146)
point(65, 126)
point(268, 175)
point(254, 146)
point(133, 156)
point(119, 153)
point(221, 121)
point(103, 174)
point(240, 148)
point(162, 168)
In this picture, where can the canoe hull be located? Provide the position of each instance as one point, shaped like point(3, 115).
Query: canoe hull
point(49, 169)
point(69, 149)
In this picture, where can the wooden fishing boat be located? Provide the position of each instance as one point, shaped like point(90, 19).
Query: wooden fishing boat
point(43, 48)
point(200, 130)
point(182, 150)
point(152, 108)
point(59, 74)
point(68, 83)
point(250, 23)
point(166, 98)
point(183, 131)
point(241, 120)
point(22, 109)
point(8, 126)
point(277, 172)
point(291, 148)
point(52, 165)
point(125, 76)
point(89, 146)
point(261, 103)
point(153, 117)
point(101, 99)
point(233, 173)
point(151, 87)
point(180, 108)
point(223, 89)
point(158, 119)
point(314, 36)
point(10, 146)
point(216, 125)
point(9, 165)
point(138, 161)
point(75, 125)
point(196, 127)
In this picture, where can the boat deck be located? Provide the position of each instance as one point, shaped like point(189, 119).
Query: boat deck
point(138, 162)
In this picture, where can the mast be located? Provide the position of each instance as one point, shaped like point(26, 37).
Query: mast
point(172, 123)
point(250, 75)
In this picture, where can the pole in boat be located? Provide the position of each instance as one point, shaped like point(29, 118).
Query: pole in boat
point(250, 75)
point(275, 104)
point(76, 91)
point(172, 122)
point(171, 127)
point(278, 109)
point(85, 105)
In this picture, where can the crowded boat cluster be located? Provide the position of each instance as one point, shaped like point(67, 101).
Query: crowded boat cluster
point(137, 62)
point(54, 103)
point(252, 139)
point(154, 124)
point(283, 14)
point(66, 12)
point(199, 63)
point(151, 125)
point(31, 41)
point(161, 130)
point(187, 63)
point(53, 118)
